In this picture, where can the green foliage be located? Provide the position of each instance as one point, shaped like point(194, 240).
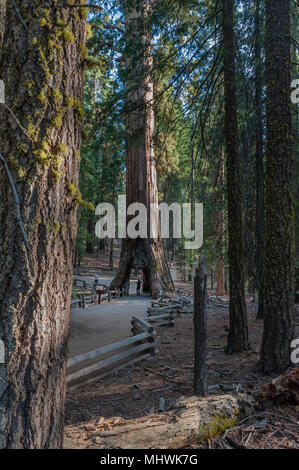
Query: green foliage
point(189, 113)
point(102, 170)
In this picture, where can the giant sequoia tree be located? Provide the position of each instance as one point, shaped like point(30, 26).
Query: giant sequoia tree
point(238, 329)
point(142, 253)
point(278, 288)
point(41, 66)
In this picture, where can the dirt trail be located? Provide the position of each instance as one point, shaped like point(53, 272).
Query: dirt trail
point(99, 325)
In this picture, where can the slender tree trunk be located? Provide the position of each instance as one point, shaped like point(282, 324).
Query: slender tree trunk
point(220, 277)
point(173, 249)
point(278, 288)
point(90, 241)
point(141, 253)
point(111, 254)
point(102, 244)
point(238, 329)
point(259, 163)
point(220, 229)
point(200, 329)
point(41, 66)
point(226, 281)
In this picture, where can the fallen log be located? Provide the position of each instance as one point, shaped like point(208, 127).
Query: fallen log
point(189, 421)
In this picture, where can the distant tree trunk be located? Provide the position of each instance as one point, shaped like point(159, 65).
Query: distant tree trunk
point(41, 67)
point(279, 276)
point(141, 253)
point(220, 229)
point(90, 242)
point(259, 163)
point(111, 254)
point(173, 249)
point(226, 281)
point(220, 278)
point(238, 329)
point(77, 258)
point(102, 244)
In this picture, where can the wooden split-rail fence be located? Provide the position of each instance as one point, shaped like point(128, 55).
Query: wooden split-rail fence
point(94, 295)
point(164, 311)
point(98, 363)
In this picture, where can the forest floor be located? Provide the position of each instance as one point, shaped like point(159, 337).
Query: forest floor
point(135, 390)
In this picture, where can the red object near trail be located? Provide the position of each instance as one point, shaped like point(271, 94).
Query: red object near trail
point(100, 292)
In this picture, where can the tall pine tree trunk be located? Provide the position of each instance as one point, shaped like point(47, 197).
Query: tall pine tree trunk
point(90, 235)
point(278, 288)
point(111, 254)
point(41, 66)
point(238, 329)
point(141, 253)
point(259, 163)
point(220, 215)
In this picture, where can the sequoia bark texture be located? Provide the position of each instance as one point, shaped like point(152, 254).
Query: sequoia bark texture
point(41, 66)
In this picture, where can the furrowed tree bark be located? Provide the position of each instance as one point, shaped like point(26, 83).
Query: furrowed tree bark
point(279, 272)
point(220, 217)
point(295, 115)
point(259, 162)
point(200, 329)
point(2, 19)
point(141, 253)
point(41, 66)
point(238, 329)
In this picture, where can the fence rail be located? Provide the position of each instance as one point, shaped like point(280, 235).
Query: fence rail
point(95, 364)
point(94, 293)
